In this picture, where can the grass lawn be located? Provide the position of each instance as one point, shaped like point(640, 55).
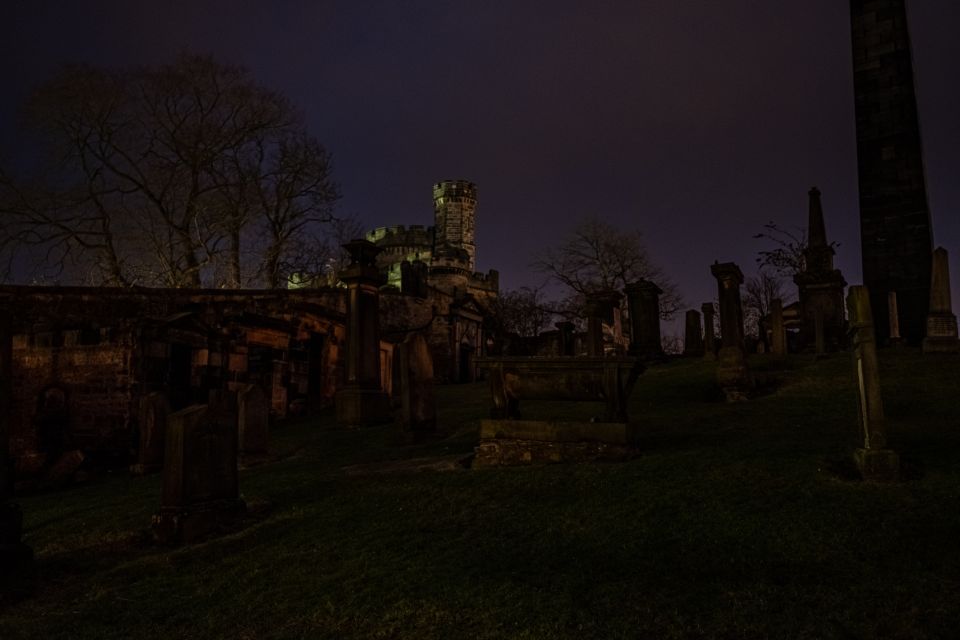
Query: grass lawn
point(737, 521)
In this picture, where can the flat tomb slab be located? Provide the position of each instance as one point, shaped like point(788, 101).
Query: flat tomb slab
point(523, 442)
point(555, 431)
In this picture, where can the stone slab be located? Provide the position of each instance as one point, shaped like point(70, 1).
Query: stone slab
point(555, 431)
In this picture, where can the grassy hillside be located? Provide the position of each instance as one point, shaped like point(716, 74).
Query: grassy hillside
point(736, 521)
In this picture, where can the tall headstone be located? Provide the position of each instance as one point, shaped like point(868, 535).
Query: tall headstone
point(875, 461)
point(643, 300)
point(361, 399)
point(418, 402)
point(894, 314)
point(709, 338)
point(778, 330)
point(200, 492)
point(16, 558)
point(895, 231)
point(152, 424)
point(253, 420)
point(599, 309)
point(565, 338)
point(941, 322)
point(693, 335)
point(820, 287)
point(732, 374)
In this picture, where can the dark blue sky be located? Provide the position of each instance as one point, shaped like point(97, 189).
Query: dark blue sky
point(695, 121)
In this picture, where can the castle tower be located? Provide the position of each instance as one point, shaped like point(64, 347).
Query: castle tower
point(895, 234)
point(454, 207)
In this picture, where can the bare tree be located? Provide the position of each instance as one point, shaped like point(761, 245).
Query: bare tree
point(759, 293)
point(184, 175)
point(596, 257)
point(523, 311)
point(787, 257)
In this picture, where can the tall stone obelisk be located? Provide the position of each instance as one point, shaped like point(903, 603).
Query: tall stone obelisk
point(895, 233)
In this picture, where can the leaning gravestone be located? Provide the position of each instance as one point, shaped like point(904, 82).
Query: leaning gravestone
point(941, 322)
point(152, 422)
point(253, 419)
point(733, 375)
point(418, 403)
point(200, 487)
point(874, 460)
point(693, 335)
point(709, 340)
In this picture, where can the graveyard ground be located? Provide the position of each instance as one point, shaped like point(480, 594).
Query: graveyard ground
point(736, 521)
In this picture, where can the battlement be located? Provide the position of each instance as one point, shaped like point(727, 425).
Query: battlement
point(454, 189)
point(415, 235)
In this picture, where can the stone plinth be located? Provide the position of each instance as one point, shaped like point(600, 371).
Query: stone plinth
point(361, 399)
point(941, 322)
point(874, 460)
point(200, 492)
point(733, 375)
point(693, 335)
point(152, 424)
point(523, 442)
point(643, 300)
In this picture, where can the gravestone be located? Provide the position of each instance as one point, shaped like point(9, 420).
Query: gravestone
point(200, 493)
point(253, 420)
point(875, 461)
point(16, 558)
point(709, 338)
point(361, 400)
point(152, 424)
point(941, 322)
point(778, 330)
point(894, 312)
point(643, 300)
point(599, 309)
point(693, 337)
point(418, 403)
point(565, 338)
point(733, 375)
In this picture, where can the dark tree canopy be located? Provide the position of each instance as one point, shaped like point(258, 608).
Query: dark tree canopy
point(183, 175)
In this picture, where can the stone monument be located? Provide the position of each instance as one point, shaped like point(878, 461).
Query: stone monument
point(941, 322)
point(821, 287)
point(600, 307)
point(693, 335)
point(361, 399)
point(778, 330)
point(253, 420)
point(875, 461)
point(895, 230)
point(418, 403)
point(152, 424)
point(643, 302)
point(709, 338)
point(200, 493)
point(732, 374)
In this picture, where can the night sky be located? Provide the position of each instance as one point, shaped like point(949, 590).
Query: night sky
point(695, 121)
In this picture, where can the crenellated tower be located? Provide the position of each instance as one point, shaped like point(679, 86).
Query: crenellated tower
point(454, 207)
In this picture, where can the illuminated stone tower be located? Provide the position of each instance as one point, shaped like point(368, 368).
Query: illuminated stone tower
point(454, 207)
point(895, 234)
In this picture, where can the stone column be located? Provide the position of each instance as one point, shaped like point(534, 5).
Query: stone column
point(941, 322)
point(709, 339)
point(693, 336)
point(599, 309)
point(733, 375)
point(643, 300)
point(361, 400)
point(778, 338)
point(874, 460)
point(16, 558)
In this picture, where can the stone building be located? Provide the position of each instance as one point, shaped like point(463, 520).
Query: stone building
point(431, 285)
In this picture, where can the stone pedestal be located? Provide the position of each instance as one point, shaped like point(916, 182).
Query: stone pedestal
point(709, 338)
point(874, 460)
point(361, 400)
point(643, 300)
point(200, 493)
point(733, 375)
point(941, 322)
point(693, 335)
